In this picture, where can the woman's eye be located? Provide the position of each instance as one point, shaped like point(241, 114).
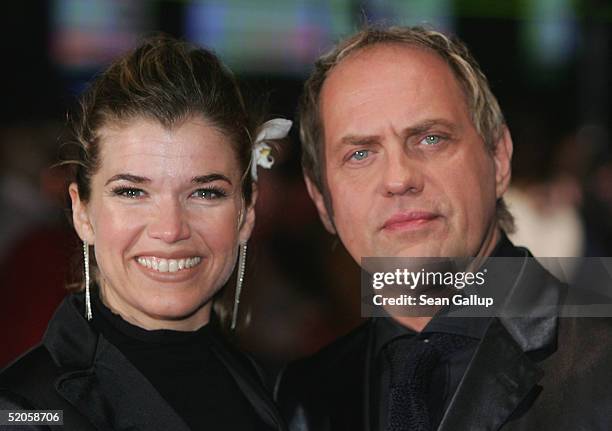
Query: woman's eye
point(129, 192)
point(360, 155)
point(431, 140)
point(209, 194)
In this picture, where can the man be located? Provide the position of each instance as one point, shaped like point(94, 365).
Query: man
point(406, 153)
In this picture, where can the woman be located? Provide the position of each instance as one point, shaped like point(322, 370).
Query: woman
point(163, 201)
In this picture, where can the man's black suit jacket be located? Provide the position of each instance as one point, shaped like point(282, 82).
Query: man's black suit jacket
point(544, 373)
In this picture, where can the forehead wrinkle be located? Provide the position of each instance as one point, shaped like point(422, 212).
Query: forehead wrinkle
point(158, 155)
point(419, 106)
point(384, 57)
point(152, 134)
point(160, 165)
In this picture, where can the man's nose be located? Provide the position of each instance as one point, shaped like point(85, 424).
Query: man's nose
point(402, 175)
point(169, 224)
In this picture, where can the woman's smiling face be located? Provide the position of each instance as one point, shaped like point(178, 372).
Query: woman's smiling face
point(165, 216)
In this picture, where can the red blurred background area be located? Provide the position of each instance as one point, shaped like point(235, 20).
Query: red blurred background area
point(33, 277)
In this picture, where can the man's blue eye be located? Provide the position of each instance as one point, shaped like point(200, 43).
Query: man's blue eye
point(431, 140)
point(360, 155)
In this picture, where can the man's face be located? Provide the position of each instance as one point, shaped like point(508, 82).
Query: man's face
point(406, 170)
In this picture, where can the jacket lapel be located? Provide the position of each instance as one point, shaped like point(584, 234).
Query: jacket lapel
point(252, 389)
point(499, 377)
point(99, 381)
point(117, 400)
point(501, 374)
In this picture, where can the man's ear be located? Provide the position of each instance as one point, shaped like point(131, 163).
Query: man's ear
point(503, 159)
point(80, 216)
point(319, 201)
point(248, 219)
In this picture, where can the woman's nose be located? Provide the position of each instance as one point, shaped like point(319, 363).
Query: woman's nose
point(169, 224)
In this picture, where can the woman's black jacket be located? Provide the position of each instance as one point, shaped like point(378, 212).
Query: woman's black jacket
point(76, 370)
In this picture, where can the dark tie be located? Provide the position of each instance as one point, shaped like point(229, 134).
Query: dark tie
point(413, 360)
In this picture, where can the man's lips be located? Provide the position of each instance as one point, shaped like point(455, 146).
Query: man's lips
point(409, 220)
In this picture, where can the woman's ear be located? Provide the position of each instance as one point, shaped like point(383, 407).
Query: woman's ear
point(248, 219)
point(80, 216)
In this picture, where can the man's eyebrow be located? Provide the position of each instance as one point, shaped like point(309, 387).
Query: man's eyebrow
point(426, 125)
point(128, 177)
point(203, 179)
point(422, 127)
point(354, 140)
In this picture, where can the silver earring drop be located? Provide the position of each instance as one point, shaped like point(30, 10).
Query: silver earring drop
point(88, 314)
point(239, 279)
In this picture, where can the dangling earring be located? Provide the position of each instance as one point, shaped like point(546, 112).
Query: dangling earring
point(239, 280)
point(88, 314)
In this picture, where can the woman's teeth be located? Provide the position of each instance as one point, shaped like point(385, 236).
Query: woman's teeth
point(168, 265)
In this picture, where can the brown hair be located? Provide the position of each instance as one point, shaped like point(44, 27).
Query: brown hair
point(484, 110)
point(166, 80)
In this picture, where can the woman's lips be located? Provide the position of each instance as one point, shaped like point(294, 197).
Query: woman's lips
point(169, 270)
point(409, 220)
point(168, 265)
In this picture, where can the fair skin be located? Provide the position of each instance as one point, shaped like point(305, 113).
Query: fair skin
point(165, 217)
point(407, 172)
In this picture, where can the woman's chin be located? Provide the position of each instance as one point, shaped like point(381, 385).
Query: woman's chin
point(175, 314)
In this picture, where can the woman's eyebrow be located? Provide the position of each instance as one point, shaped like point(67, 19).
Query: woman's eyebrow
point(128, 177)
point(202, 179)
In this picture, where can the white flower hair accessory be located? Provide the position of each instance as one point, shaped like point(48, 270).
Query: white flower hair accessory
point(276, 128)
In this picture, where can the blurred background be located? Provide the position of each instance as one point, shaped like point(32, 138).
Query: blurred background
point(548, 61)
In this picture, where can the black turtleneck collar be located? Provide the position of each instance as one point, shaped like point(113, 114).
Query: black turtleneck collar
point(119, 331)
point(184, 368)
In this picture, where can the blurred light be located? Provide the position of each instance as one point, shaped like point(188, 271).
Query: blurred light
point(550, 32)
point(435, 13)
point(86, 34)
point(268, 36)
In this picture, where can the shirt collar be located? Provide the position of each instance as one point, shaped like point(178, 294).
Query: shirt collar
point(388, 329)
